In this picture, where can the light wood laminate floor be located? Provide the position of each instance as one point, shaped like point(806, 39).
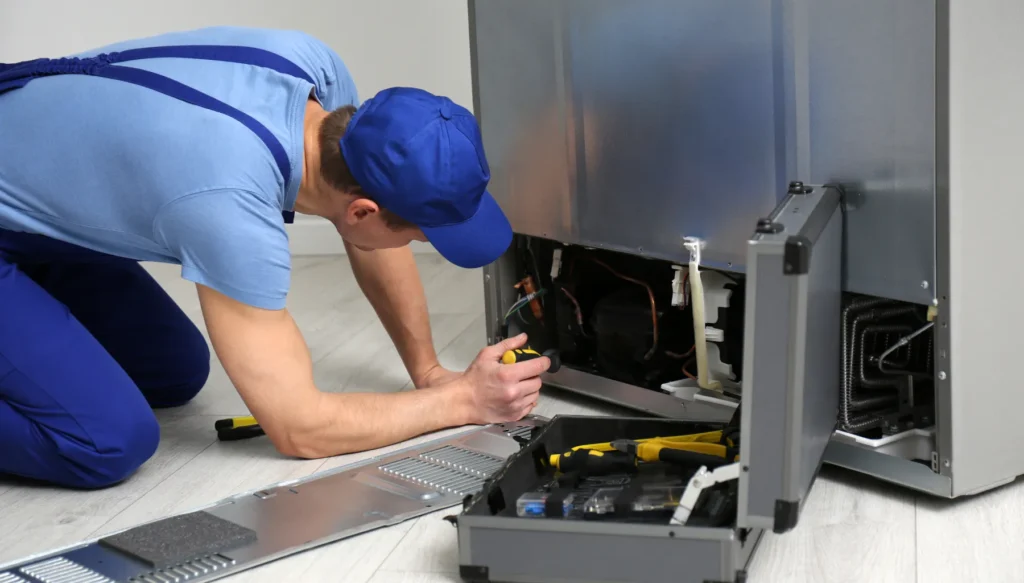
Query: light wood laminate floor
point(853, 529)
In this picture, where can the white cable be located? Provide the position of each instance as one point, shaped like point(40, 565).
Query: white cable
point(694, 245)
point(678, 292)
point(556, 263)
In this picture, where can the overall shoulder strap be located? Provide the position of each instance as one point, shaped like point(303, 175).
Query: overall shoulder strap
point(225, 53)
point(183, 92)
point(17, 75)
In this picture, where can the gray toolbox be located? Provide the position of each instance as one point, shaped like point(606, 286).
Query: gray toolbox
point(787, 415)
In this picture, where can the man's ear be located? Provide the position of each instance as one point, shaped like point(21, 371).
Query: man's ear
point(360, 209)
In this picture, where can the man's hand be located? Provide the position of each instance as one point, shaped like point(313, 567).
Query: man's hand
point(499, 393)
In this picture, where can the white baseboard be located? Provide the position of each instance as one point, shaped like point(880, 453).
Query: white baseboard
point(318, 237)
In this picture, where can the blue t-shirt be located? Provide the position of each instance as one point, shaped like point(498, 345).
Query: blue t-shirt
point(127, 171)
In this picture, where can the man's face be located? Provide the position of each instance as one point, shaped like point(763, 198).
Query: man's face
point(362, 225)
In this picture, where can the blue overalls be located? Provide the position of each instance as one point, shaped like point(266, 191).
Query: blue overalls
point(90, 343)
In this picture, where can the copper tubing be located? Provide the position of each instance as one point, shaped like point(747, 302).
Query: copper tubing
point(677, 356)
point(527, 286)
point(689, 374)
point(579, 311)
point(650, 294)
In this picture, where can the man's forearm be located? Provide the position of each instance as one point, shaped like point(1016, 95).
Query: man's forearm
point(356, 422)
point(391, 282)
point(268, 362)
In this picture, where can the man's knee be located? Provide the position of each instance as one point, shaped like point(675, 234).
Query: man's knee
point(186, 373)
point(195, 366)
point(126, 444)
point(139, 443)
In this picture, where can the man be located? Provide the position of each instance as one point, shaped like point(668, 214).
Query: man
point(195, 148)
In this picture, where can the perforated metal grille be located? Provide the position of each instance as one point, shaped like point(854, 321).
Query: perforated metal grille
point(463, 460)
point(12, 578)
point(186, 571)
point(447, 469)
point(61, 570)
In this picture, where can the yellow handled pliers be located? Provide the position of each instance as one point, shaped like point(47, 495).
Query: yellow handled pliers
point(708, 447)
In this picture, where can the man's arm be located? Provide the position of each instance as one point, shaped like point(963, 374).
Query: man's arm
point(267, 359)
point(390, 281)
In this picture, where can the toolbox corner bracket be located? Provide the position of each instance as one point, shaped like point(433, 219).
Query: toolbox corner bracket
point(741, 577)
point(474, 573)
point(786, 513)
point(797, 255)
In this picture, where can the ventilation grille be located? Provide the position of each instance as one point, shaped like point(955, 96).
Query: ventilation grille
point(11, 578)
point(463, 460)
point(61, 570)
point(186, 571)
point(447, 469)
point(524, 431)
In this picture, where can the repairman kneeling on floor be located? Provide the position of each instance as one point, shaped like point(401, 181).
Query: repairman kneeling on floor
point(196, 148)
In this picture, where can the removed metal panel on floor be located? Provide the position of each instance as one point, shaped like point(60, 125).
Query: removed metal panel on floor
point(257, 527)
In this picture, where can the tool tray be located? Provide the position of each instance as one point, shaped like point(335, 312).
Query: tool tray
point(496, 544)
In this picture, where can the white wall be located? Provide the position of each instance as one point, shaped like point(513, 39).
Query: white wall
point(419, 43)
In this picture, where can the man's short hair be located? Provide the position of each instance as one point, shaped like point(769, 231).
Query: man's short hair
point(335, 170)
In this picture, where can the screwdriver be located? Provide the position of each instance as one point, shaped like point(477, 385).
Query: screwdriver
point(235, 428)
point(589, 461)
point(524, 354)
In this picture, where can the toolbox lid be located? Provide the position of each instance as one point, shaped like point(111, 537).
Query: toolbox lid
point(792, 355)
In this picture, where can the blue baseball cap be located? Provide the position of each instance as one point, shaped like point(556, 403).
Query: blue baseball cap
point(421, 157)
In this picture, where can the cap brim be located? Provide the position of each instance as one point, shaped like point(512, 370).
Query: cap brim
point(477, 242)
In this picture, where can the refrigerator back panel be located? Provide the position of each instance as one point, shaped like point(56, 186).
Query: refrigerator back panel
point(868, 106)
point(629, 125)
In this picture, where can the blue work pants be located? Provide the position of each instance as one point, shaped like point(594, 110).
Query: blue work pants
point(89, 345)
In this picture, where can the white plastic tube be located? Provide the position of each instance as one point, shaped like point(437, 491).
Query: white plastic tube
point(699, 322)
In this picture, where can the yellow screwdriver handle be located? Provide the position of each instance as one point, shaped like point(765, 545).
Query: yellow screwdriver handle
point(524, 354)
point(519, 355)
point(243, 421)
